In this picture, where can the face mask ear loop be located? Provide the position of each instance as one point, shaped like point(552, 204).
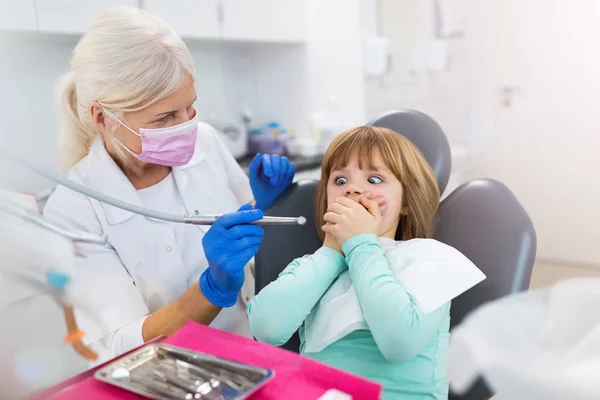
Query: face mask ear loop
point(121, 122)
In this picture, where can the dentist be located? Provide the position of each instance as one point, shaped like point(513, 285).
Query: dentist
point(129, 129)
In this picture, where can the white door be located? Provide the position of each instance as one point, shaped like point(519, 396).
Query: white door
point(546, 146)
point(264, 20)
point(17, 15)
point(190, 18)
point(73, 16)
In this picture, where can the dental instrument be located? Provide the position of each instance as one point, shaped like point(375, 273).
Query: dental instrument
point(185, 219)
point(177, 373)
point(27, 215)
point(210, 219)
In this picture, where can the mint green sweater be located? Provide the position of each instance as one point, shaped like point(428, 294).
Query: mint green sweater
point(403, 349)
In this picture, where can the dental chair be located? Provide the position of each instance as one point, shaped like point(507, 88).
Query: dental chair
point(481, 218)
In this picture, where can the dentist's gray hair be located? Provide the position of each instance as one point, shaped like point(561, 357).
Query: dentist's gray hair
point(127, 61)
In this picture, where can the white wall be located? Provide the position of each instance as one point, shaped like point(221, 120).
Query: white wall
point(334, 56)
point(30, 65)
point(480, 68)
point(281, 81)
point(545, 146)
point(544, 143)
point(456, 98)
point(409, 24)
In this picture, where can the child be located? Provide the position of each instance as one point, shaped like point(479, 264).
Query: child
point(375, 299)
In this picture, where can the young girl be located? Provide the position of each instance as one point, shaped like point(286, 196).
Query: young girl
point(375, 299)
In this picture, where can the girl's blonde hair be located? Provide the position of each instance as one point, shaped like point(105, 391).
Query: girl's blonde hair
point(421, 194)
point(127, 61)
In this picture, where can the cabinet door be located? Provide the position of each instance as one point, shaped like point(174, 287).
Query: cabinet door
point(73, 16)
point(189, 18)
point(17, 15)
point(264, 20)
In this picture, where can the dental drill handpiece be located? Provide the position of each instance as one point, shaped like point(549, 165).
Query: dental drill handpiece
point(210, 219)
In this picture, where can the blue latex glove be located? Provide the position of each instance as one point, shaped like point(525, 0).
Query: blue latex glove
point(228, 245)
point(270, 175)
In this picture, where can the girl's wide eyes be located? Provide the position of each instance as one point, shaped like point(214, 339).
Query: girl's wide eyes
point(340, 180)
point(375, 180)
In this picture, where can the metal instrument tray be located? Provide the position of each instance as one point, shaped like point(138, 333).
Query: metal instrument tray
point(161, 371)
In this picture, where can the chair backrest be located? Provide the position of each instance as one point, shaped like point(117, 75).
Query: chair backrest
point(481, 218)
point(484, 220)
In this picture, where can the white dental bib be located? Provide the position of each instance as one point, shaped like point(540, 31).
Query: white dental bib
point(431, 272)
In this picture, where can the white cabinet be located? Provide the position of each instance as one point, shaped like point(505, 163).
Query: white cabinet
point(264, 20)
point(17, 15)
point(72, 16)
point(280, 21)
point(190, 18)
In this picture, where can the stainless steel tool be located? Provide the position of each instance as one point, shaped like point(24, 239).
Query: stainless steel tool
point(210, 219)
point(161, 371)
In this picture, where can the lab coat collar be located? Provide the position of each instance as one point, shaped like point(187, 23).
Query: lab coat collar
point(107, 177)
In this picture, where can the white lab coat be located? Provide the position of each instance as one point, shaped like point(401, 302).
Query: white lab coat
point(141, 268)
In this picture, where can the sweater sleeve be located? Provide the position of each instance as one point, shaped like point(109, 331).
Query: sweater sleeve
point(282, 306)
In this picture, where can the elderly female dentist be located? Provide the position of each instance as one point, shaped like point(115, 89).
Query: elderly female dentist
point(129, 129)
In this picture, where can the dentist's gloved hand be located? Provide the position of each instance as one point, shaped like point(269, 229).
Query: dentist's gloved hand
point(228, 245)
point(270, 175)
